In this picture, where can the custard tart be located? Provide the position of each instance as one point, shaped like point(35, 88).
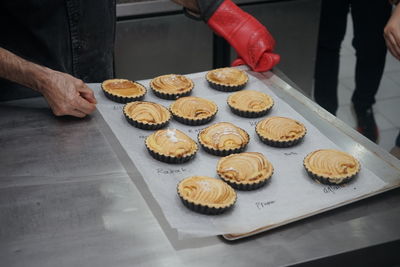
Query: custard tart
point(280, 131)
point(192, 110)
point(146, 115)
point(223, 138)
point(227, 79)
point(171, 146)
point(245, 171)
point(123, 91)
point(206, 195)
point(330, 166)
point(250, 103)
point(171, 86)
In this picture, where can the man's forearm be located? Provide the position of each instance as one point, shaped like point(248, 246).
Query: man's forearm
point(21, 71)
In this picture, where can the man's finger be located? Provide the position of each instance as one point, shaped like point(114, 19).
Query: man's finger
point(392, 46)
point(77, 113)
point(87, 93)
point(83, 105)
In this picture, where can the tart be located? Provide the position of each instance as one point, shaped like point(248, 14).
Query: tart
point(192, 110)
point(223, 138)
point(250, 103)
point(330, 166)
point(171, 146)
point(171, 86)
point(280, 131)
point(206, 195)
point(146, 115)
point(245, 171)
point(227, 79)
point(123, 91)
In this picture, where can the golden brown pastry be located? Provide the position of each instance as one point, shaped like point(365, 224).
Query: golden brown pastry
point(330, 166)
point(245, 171)
point(206, 195)
point(146, 115)
point(171, 86)
point(250, 103)
point(223, 138)
point(227, 79)
point(171, 146)
point(123, 91)
point(192, 110)
point(280, 131)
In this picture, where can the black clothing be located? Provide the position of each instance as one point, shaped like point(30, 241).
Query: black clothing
point(72, 36)
point(369, 20)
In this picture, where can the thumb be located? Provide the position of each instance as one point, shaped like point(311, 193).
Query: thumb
point(238, 62)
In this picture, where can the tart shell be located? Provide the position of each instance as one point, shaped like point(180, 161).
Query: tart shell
point(146, 126)
point(124, 99)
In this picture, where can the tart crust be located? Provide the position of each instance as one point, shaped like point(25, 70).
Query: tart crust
point(280, 131)
point(330, 166)
point(146, 115)
point(123, 90)
point(192, 110)
point(223, 138)
point(171, 146)
point(250, 103)
point(227, 79)
point(171, 86)
point(245, 171)
point(206, 195)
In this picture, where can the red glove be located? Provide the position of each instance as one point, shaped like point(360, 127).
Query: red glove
point(251, 40)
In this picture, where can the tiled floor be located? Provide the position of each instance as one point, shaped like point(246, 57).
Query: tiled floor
point(387, 107)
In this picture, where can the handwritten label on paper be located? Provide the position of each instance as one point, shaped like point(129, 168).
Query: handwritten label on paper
point(194, 130)
point(290, 153)
point(262, 205)
point(169, 171)
point(119, 107)
point(253, 123)
point(332, 189)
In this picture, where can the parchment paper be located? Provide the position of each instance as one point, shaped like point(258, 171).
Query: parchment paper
point(290, 193)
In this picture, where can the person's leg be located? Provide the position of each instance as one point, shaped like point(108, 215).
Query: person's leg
point(369, 20)
point(332, 28)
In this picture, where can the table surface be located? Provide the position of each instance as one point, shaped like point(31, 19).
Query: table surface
point(69, 196)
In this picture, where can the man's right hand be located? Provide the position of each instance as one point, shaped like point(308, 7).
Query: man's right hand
point(67, 95)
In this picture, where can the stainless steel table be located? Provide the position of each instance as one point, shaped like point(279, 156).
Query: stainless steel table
point(70, 197)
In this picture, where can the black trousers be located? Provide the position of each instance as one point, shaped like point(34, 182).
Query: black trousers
point(369, 20)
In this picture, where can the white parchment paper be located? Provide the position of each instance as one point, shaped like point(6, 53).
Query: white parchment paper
point(289, 194)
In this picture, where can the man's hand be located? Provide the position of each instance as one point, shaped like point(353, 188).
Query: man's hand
point(392, 33)
point(67, 95)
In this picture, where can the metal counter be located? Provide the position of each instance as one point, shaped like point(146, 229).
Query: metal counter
point(69, 197)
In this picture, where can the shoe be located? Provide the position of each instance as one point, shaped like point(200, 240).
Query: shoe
point(366, 124)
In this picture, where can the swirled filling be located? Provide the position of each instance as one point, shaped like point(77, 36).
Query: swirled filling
point(246, 167)
point(172, 83)
point(227, 76)
point(331, 163)
point(206, 191)
point(224, 135)
point(280, 129)
point(171, 142)
point(147, 112)
point(193, 107)
point(250, 100)
point(123, 87)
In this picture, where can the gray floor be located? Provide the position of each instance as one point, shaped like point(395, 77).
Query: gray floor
point(387, 107)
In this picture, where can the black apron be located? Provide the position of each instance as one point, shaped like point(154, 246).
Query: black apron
point(72, 36)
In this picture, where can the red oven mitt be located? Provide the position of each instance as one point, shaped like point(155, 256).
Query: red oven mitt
point(251, 40)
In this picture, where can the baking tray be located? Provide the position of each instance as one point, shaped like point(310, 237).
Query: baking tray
point(336, 131)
